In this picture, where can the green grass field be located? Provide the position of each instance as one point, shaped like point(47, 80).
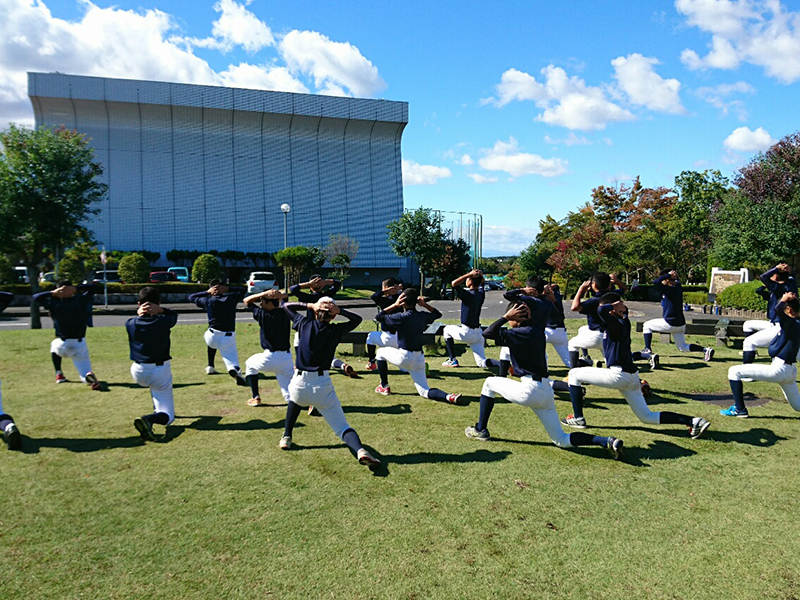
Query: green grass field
point(218, 511)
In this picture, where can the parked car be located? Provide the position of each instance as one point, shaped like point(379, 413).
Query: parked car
point(21, 275)
point(162, 277)
point(49, 277)
point(110, 277)
point(182, 273)
point(261, 281)
point(493, 284)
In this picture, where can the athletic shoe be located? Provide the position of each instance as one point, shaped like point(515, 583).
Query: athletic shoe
point(60, 377)
point(383, 391)
point(350, 371)
point(91, 379)
point(454, 398)
point(254, 401)
point(477, 434)
point(645, 387)
point(654, 361)
point(12, 437)
point(285, 443)
point(211, 371)
point(511, 371)
point(450, 362)
point(735, 412)
point(371, 366)
point(708, 354)
point(699, 425)
point(614, 447)
point(573, 421)
point(646, 353)
point(145, 429)
point(585, 361)
point(365, 458)
point(313, 412)
point(598, 364)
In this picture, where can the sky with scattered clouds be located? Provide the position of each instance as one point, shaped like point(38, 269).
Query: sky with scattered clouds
point(517, 109)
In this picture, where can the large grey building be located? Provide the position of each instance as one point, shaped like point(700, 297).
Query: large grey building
point(195, 167)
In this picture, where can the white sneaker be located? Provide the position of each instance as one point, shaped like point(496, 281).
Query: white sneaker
point(211, 371)
point(365, 458)
point(285, 443)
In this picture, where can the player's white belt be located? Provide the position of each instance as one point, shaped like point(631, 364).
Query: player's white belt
point(225, 333)
point(314, 374)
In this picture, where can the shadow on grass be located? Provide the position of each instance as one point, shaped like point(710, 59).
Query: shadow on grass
point(758, 436)
point(107, 386)
point(34, 445)
point(394, 409)
point(432, 458)
point(656, 450)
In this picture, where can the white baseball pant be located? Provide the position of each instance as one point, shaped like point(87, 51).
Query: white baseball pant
point(777, 372)
point(558, 339)
point(615, 378)
point(77, 350)
point(586, 338)
point(309, 388)
point(225, 343)
point(159, 379)
point(473, 336)
point(413, 362)
point(755, 325)
point(762, 338)
point(279, 363)
point(382, 339)
point(661, 326)
point(536, 395)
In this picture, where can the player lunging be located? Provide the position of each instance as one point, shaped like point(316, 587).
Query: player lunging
point(469, 332)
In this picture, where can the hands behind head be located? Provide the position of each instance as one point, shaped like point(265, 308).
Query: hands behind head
point(788, 296)
point(673, 274)
point(327, 306)
point(547, 292)
point(518, 313)
point(531, 291)
point(218, 290)
point(586, 285)
point(65, 291)
point(783, 267)
point(147, 309)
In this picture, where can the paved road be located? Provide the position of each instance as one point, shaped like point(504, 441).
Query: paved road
point(493, 308)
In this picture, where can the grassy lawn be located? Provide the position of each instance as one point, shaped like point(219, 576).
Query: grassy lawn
point(218, 511)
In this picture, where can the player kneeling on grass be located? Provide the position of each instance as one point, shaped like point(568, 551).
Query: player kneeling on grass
point(525, 340)
point(621, 373)
point(783, 351)
point(149, 339)
point(277, 356)
point(469, 331)
point(311, 384)
point(69, 308)
point(409, 324)
point(11, 434)
point(387, 336)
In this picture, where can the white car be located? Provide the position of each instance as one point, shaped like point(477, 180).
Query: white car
point(261, 281)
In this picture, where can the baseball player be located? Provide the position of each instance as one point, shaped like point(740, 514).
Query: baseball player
point(777, 282)
point(149, 340)
point(277, 356)
point(673, 321)
point(591, 334)
point(783, 351)
point(469, 331)
point(386, 337)
point(410, 324)
point(317, 286)
point(68, 306)
point(525, 338)
point(6, 298)
point(311, 384)
point(621, 373)
point(11, 434)
point(219, 302)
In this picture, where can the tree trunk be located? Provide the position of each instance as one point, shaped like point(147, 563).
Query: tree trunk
point(33, 275)
point(421, 282)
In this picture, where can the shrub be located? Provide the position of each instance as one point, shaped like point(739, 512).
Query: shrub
point(742, 296)
point(134, 268)
point(6, 271)
point(695, 297)
point(206, 268)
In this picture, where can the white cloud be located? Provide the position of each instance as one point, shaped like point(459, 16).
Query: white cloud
point(417, 174)
point(332, 65)
point(236, 26)
point(466, 160)
point(499, 240)
point(718, 97)
point(478, 178)
point(565, 101)
point(637, 77)
point(744, 139)
point(761, 33)
point(570, 140)
point(506, 156)
point(266, 77)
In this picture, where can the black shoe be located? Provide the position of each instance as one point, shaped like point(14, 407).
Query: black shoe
point(12, 437)
point(145, 429)
point(237, 375)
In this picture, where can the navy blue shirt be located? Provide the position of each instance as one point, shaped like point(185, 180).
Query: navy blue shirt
point(471, 303)
point(409, 325)
point(221, 310)
point(533, 304)
point(556, 319)
point(313, 297)
point(69, 314)
point(149, 336)
point(383, 302)
point(616, 340)
point(777, 290)
point(275, 327)
point(786, 343)
point(5, 300)
point(318, 340)
point(526, 344)
point(671, 301)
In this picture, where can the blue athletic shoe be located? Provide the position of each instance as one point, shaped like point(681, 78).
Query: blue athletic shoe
point(734, 412)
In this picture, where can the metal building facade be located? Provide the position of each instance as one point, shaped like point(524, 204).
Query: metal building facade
point(195, 167)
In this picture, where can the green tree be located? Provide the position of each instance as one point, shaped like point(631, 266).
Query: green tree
point(453, 261)
point(294, 260)
point(341, 251)
point(207, 267)
point(418, 235)
point(6, 270)
point(134, 268)
point(48, 186)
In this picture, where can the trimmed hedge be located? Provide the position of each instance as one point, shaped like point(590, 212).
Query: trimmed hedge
point(742, 296)
point(648, 292)
point(170, 287)
point(695, 297)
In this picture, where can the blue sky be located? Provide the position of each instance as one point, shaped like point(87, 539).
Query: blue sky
point(517, 109)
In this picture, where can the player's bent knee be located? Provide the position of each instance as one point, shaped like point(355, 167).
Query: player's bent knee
point(562, 441)
point(487, 390)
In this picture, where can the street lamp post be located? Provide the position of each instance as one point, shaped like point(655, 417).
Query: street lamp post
point(285, 208)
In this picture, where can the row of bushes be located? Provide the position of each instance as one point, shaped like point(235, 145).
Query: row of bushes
point(742, 296)
point(170, 287)
point(651, 293)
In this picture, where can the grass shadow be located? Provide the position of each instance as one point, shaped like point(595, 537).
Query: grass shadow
point(34, 445)
point(107, 386)
point(656, 450)
point(431, 458)
point(394, 409)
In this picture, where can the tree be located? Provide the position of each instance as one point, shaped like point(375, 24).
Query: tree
point(453, 260)
point(207, 267)
point(293, 260)
point(341, 251)
point(48, 186)
point(79, 261)
point(418, 235)
point(134, 268)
